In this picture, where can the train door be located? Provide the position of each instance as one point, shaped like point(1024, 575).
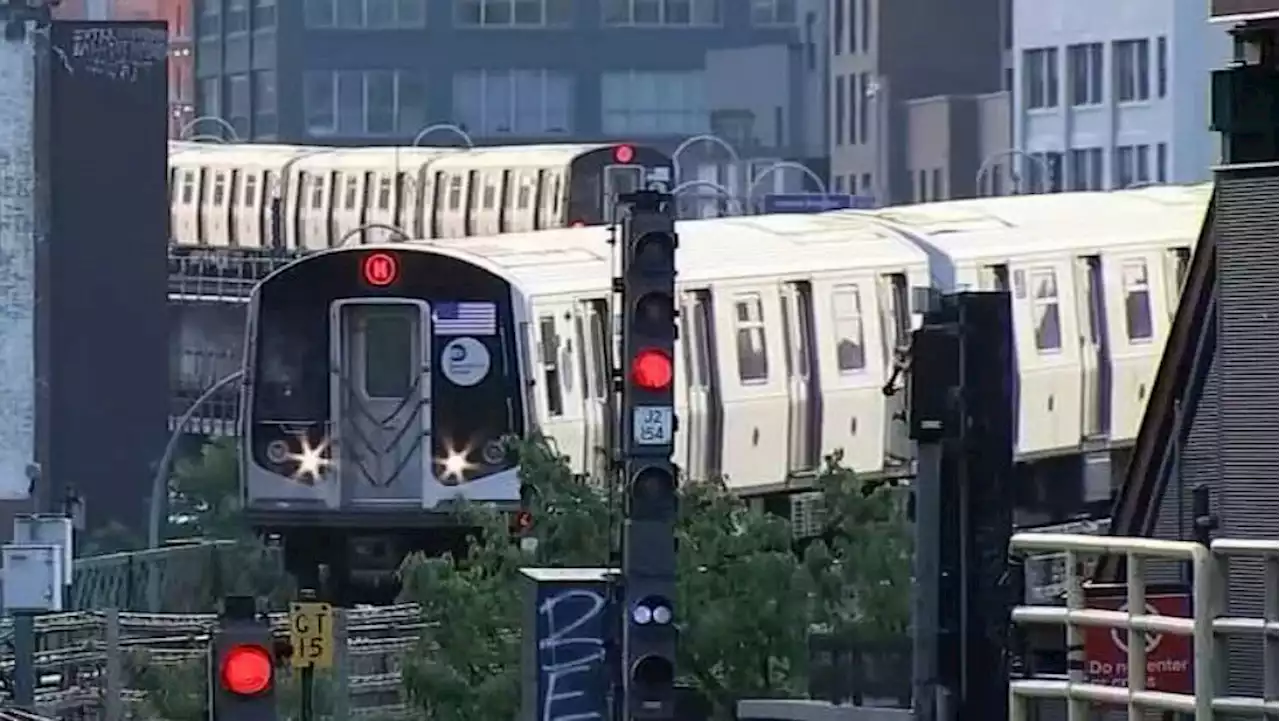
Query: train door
point(247, 218)
point(185, 224)
point(407, 217)
point(487, 215)
point(471, 214)
point(1095, 363)
point(559, 397)
point(314, 212)
point(541, 200)
point(272, 210)
point(803, 397)
point(380, 396)
point(700, 424)
point(231, 207)
point(1177, 261)
point(505, 187)
point(895, 328)
point(452, 212)
point(595, 359)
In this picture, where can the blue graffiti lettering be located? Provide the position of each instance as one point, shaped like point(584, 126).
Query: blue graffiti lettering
point(571, 655)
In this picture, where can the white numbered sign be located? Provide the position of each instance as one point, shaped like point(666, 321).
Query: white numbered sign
point(653, 426)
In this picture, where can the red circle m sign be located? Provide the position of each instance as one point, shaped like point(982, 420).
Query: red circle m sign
point(1106, 650)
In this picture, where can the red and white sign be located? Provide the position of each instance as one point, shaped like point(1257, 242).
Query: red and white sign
point(1106, 650)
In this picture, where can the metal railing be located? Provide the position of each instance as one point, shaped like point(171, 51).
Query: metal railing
point(1208, 628)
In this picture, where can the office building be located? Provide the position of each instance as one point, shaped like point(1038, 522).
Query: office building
point(1112, 94)
point(885, 54)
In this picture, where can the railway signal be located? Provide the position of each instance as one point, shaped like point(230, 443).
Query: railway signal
point(242, 660)
point(648, 423)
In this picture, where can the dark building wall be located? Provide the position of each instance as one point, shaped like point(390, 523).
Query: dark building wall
point(102, 279)
point(585, 49)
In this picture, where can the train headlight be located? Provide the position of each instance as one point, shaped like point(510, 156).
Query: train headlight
point(454, 465)
point(312, 461)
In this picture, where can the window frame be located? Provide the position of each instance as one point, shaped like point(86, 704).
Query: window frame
point(1052, 302)
point(1131, 76)
point(1041, 86)
point(552, 121)
point(612, 14)
point(462, 14)
point(853, 316)
point(767, 13)
point(370, 350)
point(1135, 278)
point(743, 330)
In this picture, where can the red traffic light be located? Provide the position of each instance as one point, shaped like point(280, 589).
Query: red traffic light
point(524, 521)
point(652, 369)
point(624, 154)
point(246, 670)
point(380, 269)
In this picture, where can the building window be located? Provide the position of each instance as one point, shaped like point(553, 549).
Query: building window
point(753, 357)
point(838, 123)
point(853, 24)
point(855, 103)
point(1137, 301)
point(1086, 169)
point(239, 104)
point(851, 354)
point(1162, 66)
point(1084, 63)
point(1132, 165)
point(938, 190)
point(1132, 70)
point(1162, 162)
point(1044, 171)
point(355, 103)
point(237, 16)
point(864, 24)
point(209, 98)
point(210, 22)
point(1044, 309)
point(922, 187)
point(689, 13)
point(1040, 77)
point(264, 14)
point(513, 102)
point(865, 183)
point(863, 99)
point(773, 12)
point(265, 103)
point(513, 13)
point(549, 352)
point(365, 14)
point(655, 103)
point(837, 26)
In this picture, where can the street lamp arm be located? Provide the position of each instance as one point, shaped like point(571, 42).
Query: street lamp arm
point(456, 130)
point(160, 481)
point(990, 160)
point(192, 123)
point(701, 138)
point(783, 165)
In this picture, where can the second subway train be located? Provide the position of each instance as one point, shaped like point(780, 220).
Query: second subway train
point(790, 328)
point(307, 198)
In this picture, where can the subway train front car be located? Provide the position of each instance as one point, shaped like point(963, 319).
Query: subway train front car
point(383, 384)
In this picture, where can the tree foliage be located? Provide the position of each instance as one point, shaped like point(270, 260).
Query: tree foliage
point(751, 599)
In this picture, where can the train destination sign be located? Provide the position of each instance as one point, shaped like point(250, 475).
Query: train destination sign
point(1168, 655)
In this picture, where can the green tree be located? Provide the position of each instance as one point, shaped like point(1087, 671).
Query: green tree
point(748, 601)
point(204, 498)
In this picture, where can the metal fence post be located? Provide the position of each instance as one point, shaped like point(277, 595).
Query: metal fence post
point(341, 667)
point(114, 681)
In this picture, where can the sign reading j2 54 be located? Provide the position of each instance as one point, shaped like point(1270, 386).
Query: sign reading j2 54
point(311, 634)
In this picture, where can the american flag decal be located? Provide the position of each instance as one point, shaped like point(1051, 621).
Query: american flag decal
point(465, 318)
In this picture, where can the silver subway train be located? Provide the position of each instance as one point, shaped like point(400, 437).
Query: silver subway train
point(307, 198)
point(791, 325)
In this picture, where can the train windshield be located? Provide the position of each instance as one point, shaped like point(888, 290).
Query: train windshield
point(599, 176)
point(291, 383)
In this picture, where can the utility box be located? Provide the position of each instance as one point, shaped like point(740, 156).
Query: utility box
point(32, 577)
point(571, 626)
point(48, 529)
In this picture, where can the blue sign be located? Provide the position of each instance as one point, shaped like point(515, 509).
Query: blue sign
point(815, 202)
point(572, 623)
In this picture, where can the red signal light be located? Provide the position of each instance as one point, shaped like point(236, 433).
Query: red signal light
point(652, 369)
point(247, 670)
point(524, 521)
point(624, 154)
point(380, 269)
point(577, 224)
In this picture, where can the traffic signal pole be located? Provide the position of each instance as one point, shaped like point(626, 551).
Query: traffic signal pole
point(647, 422)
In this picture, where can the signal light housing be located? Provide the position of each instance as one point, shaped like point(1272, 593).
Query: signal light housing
point(247, 670)
point(652, 369)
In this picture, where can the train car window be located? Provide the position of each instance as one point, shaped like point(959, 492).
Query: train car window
point(350, 193)
point(555, 195)
point(1045, 311)
point(846, 309)
point(388, 355)
point(250, 190)
point(384, 194)
point(506, 192)
point(188, 187)
point(601, 341)
point(455, 192)
point(703, 358)
point(526, 193)
point(549, 350)
point(1137, 301)
point(317, 192)
point(219, 189)
point(619, 180)
point(753, 356)
point(490, 195)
